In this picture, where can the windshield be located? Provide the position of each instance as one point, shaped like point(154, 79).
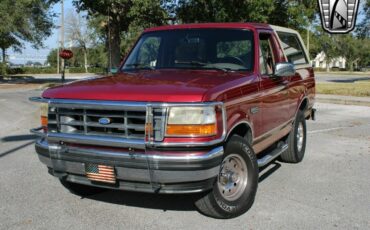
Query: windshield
point(224, 49)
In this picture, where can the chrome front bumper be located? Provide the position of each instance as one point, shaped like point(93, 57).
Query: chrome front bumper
point(136, 170)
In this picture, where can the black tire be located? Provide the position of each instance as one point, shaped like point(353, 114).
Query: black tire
point(214, 203)
point(80, 189)
point(294, 154)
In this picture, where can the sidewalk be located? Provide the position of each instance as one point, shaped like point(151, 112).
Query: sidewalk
point(345, 100)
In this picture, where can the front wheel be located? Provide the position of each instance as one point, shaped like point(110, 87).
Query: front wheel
point(234, 191)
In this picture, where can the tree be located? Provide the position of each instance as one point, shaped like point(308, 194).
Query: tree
point(350, 48)
point(295, 14)
point(52, 57)
point(23, 21)
point(97, 57)
point(327, 43)
point(116, 16)
point(363, 29)
point(79, 34)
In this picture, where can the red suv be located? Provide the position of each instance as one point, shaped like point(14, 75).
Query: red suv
point(193, 108)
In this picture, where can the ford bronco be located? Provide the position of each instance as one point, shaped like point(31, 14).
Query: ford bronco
point(196, 108)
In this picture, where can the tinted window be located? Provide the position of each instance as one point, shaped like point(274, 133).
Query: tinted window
point(148, 53)
point(292, 48)
point(266, 58)
point(226, 49)
point(233, 49)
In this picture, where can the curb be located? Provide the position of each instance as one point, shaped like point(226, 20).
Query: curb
point(343, 101)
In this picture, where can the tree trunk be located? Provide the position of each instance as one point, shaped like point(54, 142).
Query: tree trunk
point(3, 64)
point(85, 59)
point(114, 47)
point(351, 66)
point(327, 66)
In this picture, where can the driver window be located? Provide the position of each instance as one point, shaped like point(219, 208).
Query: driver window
point(267, 62)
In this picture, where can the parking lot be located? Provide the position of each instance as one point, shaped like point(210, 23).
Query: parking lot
point(328, 190)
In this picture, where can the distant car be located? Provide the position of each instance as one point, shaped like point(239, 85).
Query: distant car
point(194, 108)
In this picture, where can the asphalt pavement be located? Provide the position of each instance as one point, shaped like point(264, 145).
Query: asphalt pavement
point(328, 190)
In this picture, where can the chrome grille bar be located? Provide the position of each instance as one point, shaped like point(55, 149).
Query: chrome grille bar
point(152, 126)
point(122, 123)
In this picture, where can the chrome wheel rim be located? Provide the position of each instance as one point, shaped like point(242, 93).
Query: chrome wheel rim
point(233, 177)
point(300, 135)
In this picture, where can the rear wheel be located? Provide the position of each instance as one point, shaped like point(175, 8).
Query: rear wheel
point(234, 191)
point(296, 141)
point(80, 189)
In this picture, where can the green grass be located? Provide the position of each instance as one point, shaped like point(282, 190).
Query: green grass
point(358, 89)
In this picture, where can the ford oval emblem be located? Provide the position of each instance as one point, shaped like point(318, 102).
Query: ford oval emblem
point(104, 121)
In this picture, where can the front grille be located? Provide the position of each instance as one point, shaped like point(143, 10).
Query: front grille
point(120, 122)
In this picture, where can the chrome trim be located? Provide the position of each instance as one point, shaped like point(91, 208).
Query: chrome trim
point(120, 142)
point(141, 175)
point(37, 132)
point(198, 144)
point(38, 99)
point(271, 156)
point(96, 140)
point(105, 104)
point(86, 104)
point(212, 154)
point(139, 187)
point(284, 69)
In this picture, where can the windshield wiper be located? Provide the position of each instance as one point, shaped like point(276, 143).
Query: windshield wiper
point(222, 69)
point(195, 63)
point(202, 64)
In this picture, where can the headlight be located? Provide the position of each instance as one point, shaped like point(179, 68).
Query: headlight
point(44, 114)
point(191, 121)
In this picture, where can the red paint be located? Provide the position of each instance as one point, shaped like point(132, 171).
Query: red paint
point(66, 54)
point(277, 99)
point(150, 85)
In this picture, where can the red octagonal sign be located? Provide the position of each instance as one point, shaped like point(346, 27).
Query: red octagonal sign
point(66, 54)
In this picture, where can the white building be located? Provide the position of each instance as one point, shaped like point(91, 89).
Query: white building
point(320, 62)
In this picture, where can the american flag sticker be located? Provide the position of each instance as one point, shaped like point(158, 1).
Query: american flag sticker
point(101, 173)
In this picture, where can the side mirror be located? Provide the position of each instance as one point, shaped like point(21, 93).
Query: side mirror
point(284, 69)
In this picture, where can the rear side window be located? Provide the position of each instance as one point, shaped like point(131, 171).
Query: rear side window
point(292, 48)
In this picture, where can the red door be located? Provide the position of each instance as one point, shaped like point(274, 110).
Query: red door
point(274, 102)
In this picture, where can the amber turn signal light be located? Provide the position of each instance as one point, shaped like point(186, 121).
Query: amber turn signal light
point(191, 130)
point(44, 121)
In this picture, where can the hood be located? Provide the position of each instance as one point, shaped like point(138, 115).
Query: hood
point(148, 85)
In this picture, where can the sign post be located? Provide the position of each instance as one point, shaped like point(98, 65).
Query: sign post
point(65, 54)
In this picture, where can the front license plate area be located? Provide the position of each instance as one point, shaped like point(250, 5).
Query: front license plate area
point(100, 173)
